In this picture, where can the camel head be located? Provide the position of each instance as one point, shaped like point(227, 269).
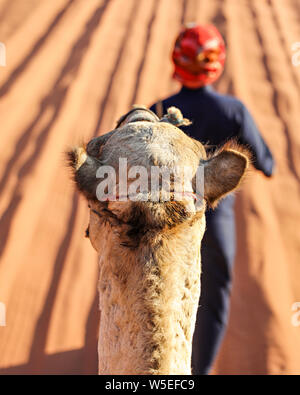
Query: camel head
point(121, 173)
point(148, 184)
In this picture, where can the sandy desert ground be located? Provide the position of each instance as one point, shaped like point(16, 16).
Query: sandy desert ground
point(73, 67)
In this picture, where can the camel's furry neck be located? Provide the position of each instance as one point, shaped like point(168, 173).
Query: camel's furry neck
point(148, 301)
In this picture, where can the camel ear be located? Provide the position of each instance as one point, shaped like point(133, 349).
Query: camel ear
point(84, 162)
point(223, 173)
point(84, 168)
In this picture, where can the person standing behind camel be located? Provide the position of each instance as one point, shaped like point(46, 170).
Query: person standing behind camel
point(199, 57)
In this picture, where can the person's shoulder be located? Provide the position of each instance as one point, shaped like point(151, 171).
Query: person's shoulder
point(164, 103)
point(227, 101)
point(231, 106)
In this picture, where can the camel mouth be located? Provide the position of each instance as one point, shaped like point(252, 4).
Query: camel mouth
point(137, 114)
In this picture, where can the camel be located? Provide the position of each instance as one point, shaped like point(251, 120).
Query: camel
point(149, 250)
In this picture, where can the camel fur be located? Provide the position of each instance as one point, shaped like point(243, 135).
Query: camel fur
point(149, 251)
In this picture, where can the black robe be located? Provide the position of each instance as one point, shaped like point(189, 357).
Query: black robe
point(216, 119)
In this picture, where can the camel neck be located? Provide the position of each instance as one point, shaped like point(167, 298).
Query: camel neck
point(148, 302)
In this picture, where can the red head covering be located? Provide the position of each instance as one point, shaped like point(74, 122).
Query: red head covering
point(198, 55)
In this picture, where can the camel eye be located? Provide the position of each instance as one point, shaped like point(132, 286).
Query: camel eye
point(87, 232)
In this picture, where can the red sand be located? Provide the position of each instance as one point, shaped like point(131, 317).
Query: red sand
point(73, 67)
